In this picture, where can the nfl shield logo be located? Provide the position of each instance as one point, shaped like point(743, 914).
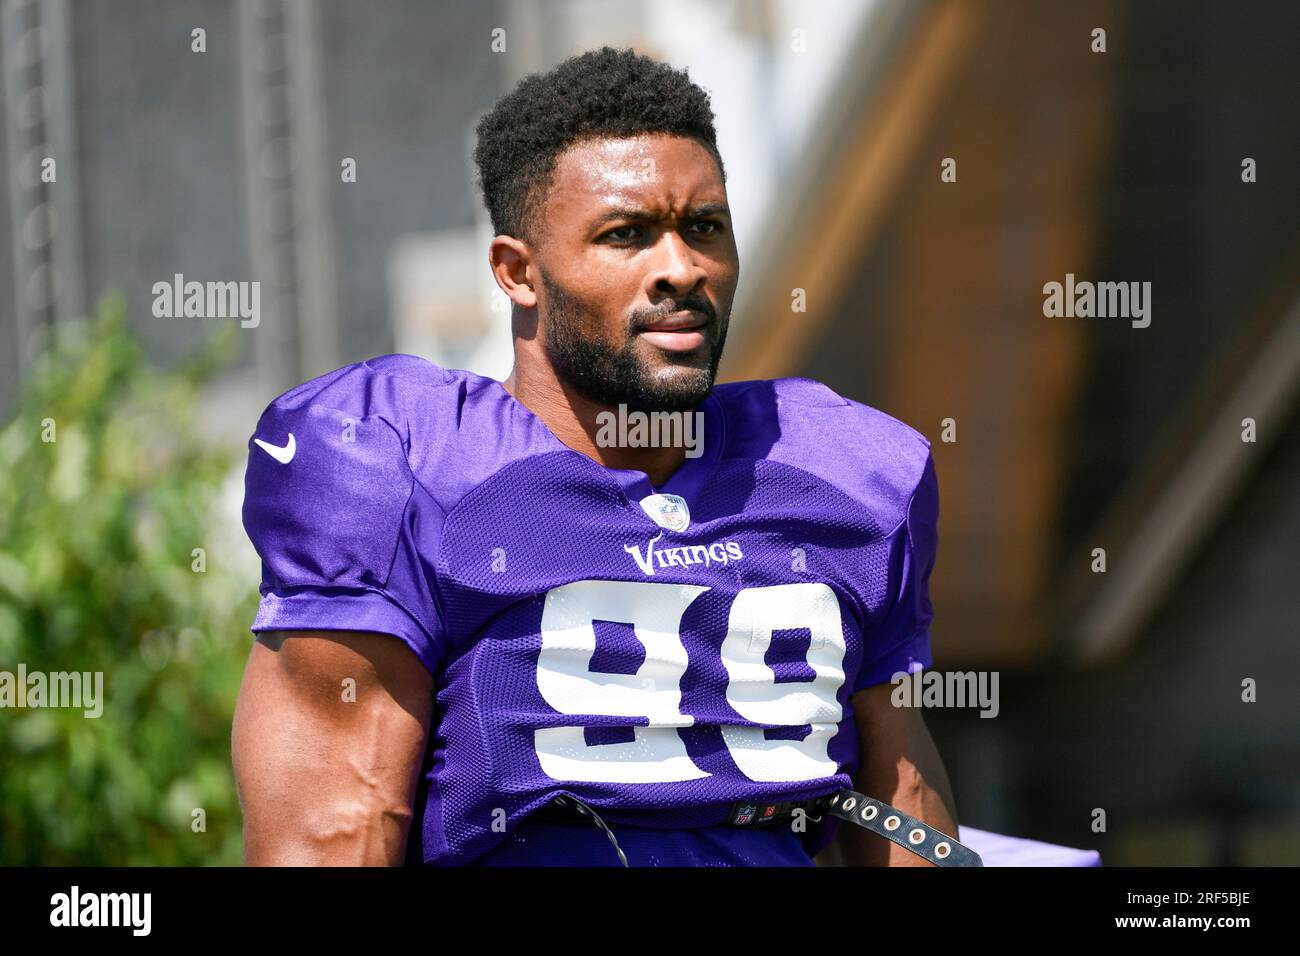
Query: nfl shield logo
point(667, 511)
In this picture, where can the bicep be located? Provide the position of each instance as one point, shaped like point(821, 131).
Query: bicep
point(900, 765)
point(886, 733)
point(894, 742)
point(327, 742)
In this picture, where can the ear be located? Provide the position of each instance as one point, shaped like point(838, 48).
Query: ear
point(511, 263)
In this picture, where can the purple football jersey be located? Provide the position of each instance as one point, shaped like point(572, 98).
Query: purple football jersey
point(662, 654)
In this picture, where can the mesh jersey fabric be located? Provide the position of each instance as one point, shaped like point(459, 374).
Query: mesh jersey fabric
point(578, 646)
point(545, 843)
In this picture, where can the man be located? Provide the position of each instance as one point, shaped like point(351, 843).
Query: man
point(480, 596)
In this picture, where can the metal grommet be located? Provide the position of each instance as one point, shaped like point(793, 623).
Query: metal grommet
point(835, 800)
point(850, 803)
point(581, 809)
point(559, 802)
point(917, 836)
point(941, 850)
point(892, 822)
point(869, 812)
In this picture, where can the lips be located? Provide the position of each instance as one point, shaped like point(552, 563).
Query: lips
point(685, 320)
point(680, 332)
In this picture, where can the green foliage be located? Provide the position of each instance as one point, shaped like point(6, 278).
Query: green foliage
point(97, 532)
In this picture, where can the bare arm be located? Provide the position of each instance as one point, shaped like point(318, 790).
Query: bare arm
point(900, 766)
point(324, 780)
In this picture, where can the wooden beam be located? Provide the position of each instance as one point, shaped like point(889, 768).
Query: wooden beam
point(1157, 526)
point(822, 231)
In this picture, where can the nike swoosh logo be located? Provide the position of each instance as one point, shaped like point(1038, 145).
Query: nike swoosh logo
point(282, 455)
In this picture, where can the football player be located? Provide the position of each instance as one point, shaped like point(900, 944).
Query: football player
point(500, 625)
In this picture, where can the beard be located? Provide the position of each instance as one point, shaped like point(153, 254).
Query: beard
point(617, 375)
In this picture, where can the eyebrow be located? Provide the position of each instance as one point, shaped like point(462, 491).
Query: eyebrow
point(644, 215)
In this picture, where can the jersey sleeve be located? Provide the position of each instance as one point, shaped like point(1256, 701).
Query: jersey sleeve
point(331, 505)
point(899, 641)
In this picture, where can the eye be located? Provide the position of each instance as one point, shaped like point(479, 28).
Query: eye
point(630, 233)
point(715, 226)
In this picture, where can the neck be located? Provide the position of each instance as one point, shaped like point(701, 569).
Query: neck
point(572, 419)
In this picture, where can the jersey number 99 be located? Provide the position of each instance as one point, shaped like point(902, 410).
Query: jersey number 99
point(657, 753)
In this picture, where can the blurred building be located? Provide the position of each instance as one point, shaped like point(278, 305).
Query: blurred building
point(911, 174)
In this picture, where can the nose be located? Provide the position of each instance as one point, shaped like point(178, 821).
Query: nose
point(676, 272)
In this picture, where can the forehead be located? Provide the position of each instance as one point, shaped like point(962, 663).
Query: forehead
point(658, 171)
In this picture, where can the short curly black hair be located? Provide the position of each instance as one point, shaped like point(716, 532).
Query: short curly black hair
point(603, 92)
